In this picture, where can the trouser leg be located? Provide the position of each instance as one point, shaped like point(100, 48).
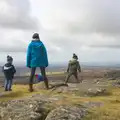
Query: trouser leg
point(68, 77)
point(43, 72)
point(31, 79)
point(10, 85)
point(6, 85)
point(76, 77)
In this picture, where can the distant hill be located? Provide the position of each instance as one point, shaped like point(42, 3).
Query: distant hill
point(23, 70)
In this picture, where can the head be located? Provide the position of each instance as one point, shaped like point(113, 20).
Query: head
point(9, 59)
point(35, 36)
point(75, 56)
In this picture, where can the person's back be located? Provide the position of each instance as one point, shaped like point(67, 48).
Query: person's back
point(74, 66)
point(9, 71)
point(38, 55)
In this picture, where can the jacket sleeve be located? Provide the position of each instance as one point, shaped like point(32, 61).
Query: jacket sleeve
point(28, 55)
point(45, 55)
point(14, 70)
point(2, 68)
point(79, 67)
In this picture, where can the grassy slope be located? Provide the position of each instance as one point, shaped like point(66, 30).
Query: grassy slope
point(109, 111)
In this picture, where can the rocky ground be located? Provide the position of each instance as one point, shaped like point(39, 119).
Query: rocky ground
point(95, 99)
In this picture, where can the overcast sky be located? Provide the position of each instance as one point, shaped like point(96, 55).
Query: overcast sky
point(89, 28)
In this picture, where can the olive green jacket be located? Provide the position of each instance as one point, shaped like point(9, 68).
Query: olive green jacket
point(73, 66)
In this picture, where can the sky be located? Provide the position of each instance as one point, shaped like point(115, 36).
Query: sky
point(89, 28)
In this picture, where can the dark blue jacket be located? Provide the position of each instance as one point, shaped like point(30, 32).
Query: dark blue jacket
point(9, 71)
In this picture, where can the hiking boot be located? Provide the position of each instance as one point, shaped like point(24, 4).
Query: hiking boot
point(30, 87)
point(10, 90)
point(46, 83)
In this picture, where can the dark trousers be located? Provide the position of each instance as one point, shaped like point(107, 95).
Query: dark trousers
point(70, 74)
point(43, 75)
point(8, 84)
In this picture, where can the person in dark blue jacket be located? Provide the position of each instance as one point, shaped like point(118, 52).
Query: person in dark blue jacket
point(9, 71)
point(37, 57)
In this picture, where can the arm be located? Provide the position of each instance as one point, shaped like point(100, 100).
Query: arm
point(14, 70)
point(3, 69)
point(28, 56)
point(79, 67)
point(45, 56)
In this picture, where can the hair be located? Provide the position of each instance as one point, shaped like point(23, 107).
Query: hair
point(75, 56)
point(9, 58)
point(35, 36)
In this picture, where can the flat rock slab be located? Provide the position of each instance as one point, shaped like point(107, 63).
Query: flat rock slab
point(93, 104)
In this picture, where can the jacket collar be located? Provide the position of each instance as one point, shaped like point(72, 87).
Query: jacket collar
point(35, 40)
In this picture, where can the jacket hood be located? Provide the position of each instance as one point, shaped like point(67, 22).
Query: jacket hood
point(73, 61)
point(37, 43)
point(37, 54)
point(8, 64)
point(34, 40)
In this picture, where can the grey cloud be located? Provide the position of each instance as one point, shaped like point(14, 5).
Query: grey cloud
point(98, 17)
point(70, 30)
point(106, 46)
point(13, 48)
point(16, 14)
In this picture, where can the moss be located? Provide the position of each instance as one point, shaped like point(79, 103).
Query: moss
point(107, 112)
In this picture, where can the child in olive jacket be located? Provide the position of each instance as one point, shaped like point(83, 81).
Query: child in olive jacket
point(73, 68)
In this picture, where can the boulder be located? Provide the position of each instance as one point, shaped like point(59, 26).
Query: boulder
point(36, 109)
point(90, 104)
point(96, 92)
point(24, 110)
point(67, 113)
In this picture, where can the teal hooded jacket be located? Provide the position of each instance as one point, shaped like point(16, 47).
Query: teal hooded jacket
point(37, 54)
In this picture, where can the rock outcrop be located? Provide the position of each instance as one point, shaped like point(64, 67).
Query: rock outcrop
point(39, 108)
point(67, 113)
point(96, 92)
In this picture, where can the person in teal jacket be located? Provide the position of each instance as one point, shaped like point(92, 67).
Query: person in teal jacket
point(37, 57)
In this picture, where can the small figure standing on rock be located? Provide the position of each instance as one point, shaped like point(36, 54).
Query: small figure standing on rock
point(9, 71)
point(37, 57)
point(73, 68)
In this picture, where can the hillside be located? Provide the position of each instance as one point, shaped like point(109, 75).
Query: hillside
point(95, 99)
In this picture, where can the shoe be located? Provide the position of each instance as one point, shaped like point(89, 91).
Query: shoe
point(66, 84)
point(30, 88)
point(6, 90)
point(10, 90)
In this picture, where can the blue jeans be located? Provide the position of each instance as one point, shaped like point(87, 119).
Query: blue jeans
point(8, 84)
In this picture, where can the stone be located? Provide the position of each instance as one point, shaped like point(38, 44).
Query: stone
point(95, 92)
point(67, 113)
